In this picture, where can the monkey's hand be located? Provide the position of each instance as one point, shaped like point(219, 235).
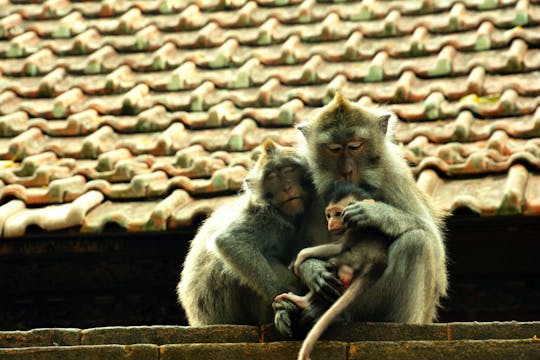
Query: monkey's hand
point(360, 214)
point(283, 309)
point(388, 219)
point(320, 280)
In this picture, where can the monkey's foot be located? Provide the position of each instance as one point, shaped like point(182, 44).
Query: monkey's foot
point(301, 302)
point(283, 310)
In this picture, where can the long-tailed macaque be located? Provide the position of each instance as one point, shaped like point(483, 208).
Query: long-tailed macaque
point(351, 143)
point(359, 255)
point(237, 262)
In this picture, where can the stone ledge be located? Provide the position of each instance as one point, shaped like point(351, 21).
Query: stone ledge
point(444, 350)
point(99, 352)
point(40, 337)
point(170, 334)
point(162, 335)
point(368, 350)
point(263, 351)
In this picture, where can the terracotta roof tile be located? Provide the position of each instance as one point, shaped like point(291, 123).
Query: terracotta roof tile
point(159, 106)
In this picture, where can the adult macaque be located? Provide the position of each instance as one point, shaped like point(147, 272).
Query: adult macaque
point(360, 257)
point(351, 143)
point(237, 262)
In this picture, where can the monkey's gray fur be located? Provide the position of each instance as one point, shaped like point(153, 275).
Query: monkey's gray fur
point(237, 262)
point(415, 280)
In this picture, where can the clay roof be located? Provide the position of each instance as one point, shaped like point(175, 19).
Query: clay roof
point(144, 113)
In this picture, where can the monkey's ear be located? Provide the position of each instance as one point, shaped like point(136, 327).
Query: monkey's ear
point(339, 99)
point(269, 146)
point(303, 128)
point(383, 122)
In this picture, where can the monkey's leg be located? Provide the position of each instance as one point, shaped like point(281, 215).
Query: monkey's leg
point(301, 301)
point(407, 291)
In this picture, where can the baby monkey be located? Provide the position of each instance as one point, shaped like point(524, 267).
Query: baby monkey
point(359, 255)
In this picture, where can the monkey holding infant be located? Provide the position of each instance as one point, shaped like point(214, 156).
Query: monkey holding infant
point(237, 262)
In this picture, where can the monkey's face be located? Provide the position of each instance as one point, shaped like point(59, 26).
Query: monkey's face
point(333, 214)
point(344, 142)
point(344, 157)
point(284, 188)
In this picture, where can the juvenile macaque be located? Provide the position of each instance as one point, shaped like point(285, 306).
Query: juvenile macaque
point(237, 262)
point(359, 255)
point(351, 143)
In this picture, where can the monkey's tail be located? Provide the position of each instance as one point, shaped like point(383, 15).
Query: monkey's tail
point(330, 315)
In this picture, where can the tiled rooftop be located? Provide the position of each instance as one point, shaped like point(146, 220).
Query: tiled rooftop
point(145, 113)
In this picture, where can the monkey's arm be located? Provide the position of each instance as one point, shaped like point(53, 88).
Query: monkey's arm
point(388, 219)
point(321, 251)
point(239, 251)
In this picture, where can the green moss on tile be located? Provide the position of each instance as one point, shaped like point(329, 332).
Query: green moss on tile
point(218, 182)
point(166, 7)
point(31, 69)
point(264, 39)
point(509, 108)
point(401, 95)
point(442, 68)
point(453, 24)
point(92, 68)
point(159, 64)
point(110, 87)
point(488, 4)
point(140, 44)
point(79, 48)
point(219, 62)
point(375, 74)
point(482, 43)
point(289, 59)
point(389, 30)
point(521, 19)
point(285, 117)
point(128, 108)
point(59, 110)
point(417, 50)
point(197, 104)
point(176, 83)
point(236, 143)
point(242, 81)
point(461, 134)
point(15, 50)
point(513, 65)
point(45, 91)
point(306, 18)
point(61, 32)
point(362, 15)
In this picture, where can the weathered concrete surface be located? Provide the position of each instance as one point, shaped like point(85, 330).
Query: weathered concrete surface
point(478, 341)
point(262, 351)
point(494, 330)
point(444, 350)
point(40, 337)
point(170, 334)
point(100, 352)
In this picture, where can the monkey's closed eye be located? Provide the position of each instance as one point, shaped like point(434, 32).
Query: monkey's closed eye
point(334, 148)
point(355, 145)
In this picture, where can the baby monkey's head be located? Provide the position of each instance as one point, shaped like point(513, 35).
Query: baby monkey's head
point(337, 199)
